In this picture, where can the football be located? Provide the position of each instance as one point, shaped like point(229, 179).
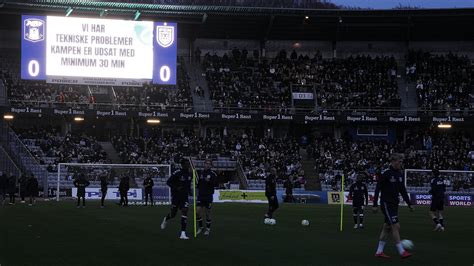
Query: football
point(407, 244)
point(305, 223)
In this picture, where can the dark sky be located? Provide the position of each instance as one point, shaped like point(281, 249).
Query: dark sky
point(389, 4)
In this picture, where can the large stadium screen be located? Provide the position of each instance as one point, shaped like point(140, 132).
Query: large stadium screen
point(71, 50)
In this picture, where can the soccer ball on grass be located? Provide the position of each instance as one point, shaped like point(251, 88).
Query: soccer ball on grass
point(407, 244)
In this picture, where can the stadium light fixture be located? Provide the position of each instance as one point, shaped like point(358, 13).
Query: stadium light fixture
point(444, 126)
point(69, 11)
point(103, 13)
point(8, 117)
point(153, 121)
point(137, 15)
point(78, 119)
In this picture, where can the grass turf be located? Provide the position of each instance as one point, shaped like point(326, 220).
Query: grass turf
point(59, 234)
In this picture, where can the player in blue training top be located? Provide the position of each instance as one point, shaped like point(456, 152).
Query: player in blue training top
point(391, 184)
point(207, 181)
point(180, 184)
point(438, 188)
point(359, 195)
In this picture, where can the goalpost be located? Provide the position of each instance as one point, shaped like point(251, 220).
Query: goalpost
point(66, 172)
point(422, 177)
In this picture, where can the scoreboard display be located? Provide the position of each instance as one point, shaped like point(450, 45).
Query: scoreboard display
point(70, 50)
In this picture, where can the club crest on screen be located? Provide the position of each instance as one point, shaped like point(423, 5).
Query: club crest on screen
point(165, 35)
point(34, 30)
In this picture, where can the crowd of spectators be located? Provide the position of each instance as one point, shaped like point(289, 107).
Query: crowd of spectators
point(360, 82)
point(50, 148)
point(442, 81)
point(40, 94)
point(165, 97)
point(422, 150)
point(242, 79)
point(257, 155)
point(22, 93)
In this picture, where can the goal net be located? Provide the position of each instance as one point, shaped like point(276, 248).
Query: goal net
point(68, 172)
point(418, 180)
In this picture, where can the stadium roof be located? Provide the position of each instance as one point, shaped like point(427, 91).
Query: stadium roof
point(271, 23)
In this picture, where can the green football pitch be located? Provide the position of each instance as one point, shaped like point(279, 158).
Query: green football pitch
point(59, 234)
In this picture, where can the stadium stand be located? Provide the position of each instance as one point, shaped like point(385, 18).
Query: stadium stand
point(40, 94)
point(442, 81)
point(360, 82)
point(425, 149)
point(50, 148)
point(255, 155)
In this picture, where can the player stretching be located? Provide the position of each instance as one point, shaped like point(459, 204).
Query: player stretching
point(207, 181)
point(270, 192)
point(359, 194)
point(180, 184)
point(148, 185)
point(438, 188)
point(390, 185)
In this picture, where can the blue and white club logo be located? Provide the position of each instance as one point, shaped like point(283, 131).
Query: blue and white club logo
point(34, 30)
point(165, 35)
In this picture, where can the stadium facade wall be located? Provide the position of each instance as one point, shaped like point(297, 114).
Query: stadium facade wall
point(445, 47)
point(222, 46)
point(344, 48)
point(302, 47)
point(9, 39)
point(396, 49)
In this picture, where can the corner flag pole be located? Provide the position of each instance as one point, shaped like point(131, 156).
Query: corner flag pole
point(341, 199)
point(194, 202)
point(194, 195)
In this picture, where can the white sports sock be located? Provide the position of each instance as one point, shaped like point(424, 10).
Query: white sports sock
point(400, 248)
point(380, 247)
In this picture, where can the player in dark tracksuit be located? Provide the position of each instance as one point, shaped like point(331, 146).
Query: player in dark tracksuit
point(438, 189)
point(359, 194)
point(391, 184)
point(270, 193)
point(103, 189)
point(81, 183)
point(32, 189)
point(180, 184)
point(206, 182)
point(22, 181)
point(124, 186)
point(288, 185)
point(3, 187)
point(148, 185)
point(11, 188)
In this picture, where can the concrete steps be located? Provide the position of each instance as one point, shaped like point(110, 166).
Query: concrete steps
point(311, 176)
